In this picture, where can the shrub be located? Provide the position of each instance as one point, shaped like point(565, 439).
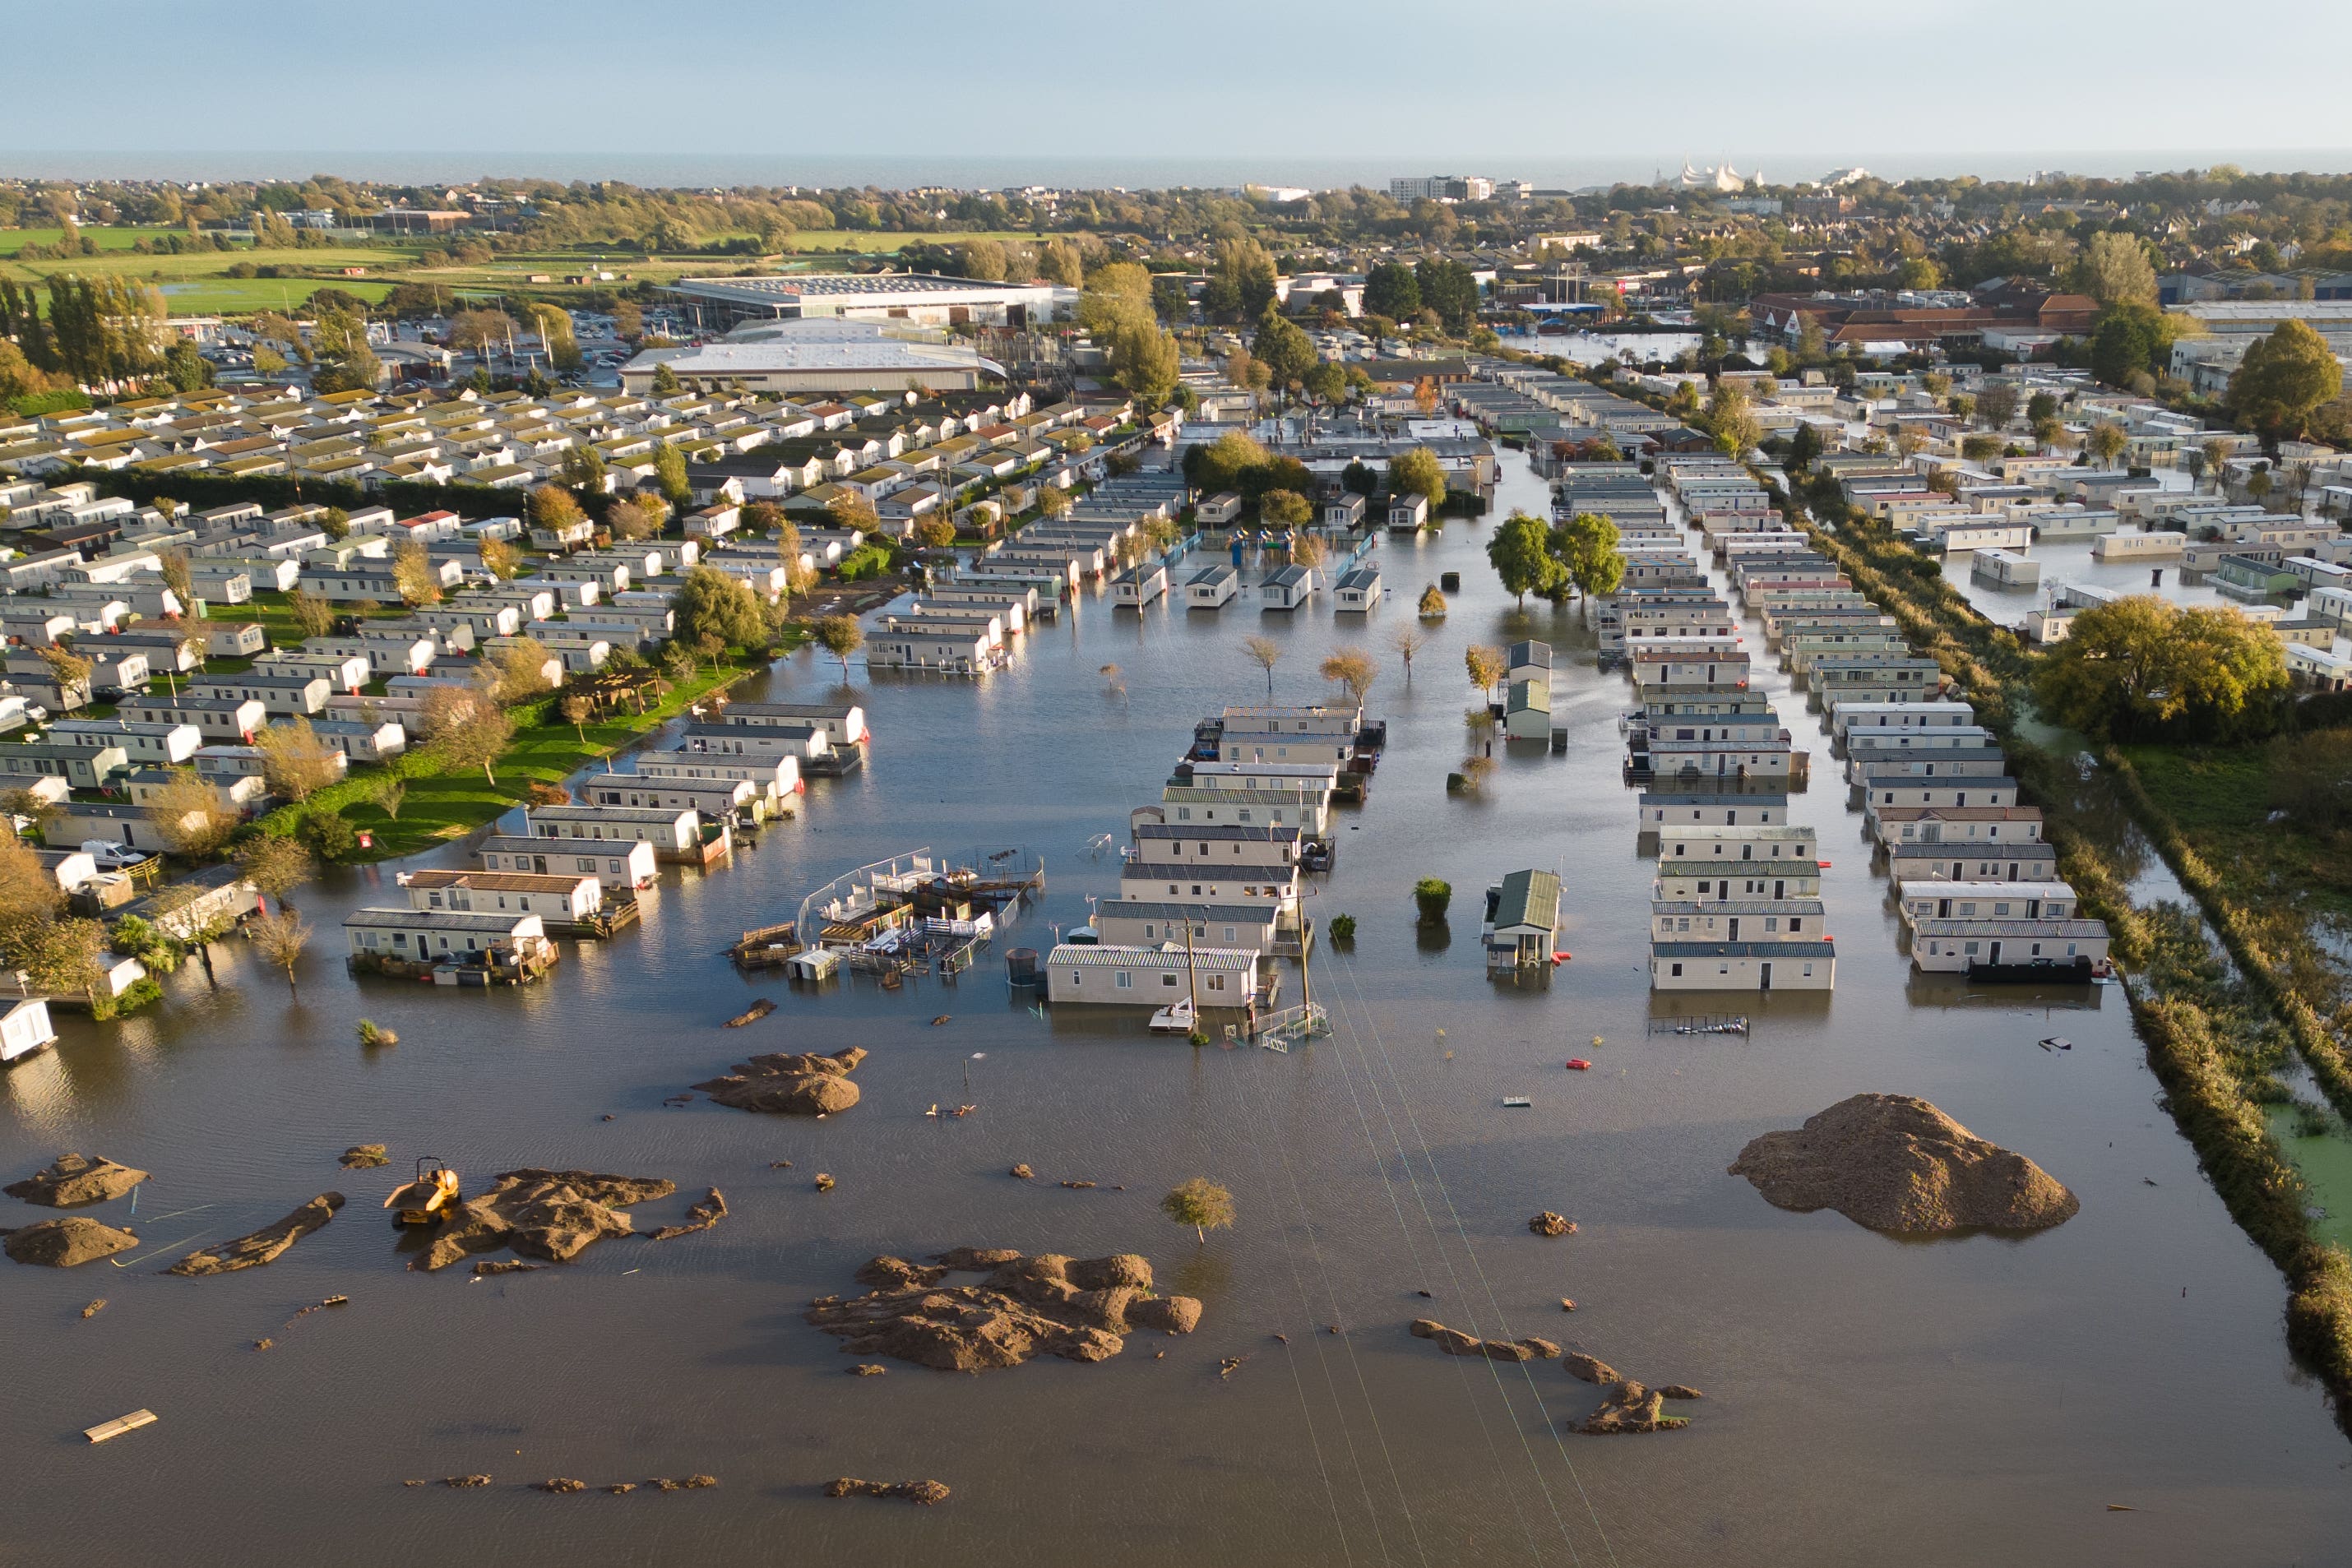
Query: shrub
point(1431, 895)
point(1343, 928)
point(327, 835)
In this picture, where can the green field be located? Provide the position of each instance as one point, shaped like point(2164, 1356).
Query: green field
point(196, 285)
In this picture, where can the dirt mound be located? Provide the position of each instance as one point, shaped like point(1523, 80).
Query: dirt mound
point(703, 1216)
point(924, 1493)
point(1454, 1342)
point(364, 1157)
point(545, 1214)
point(62, 1243)
point(1631, 1408)
point(1898, 1164)
point(1550, 1224)
point(73, 1180)
point(265, 1245)
point(806, 1086)
point(1076, 1308)
point(1590, 1368)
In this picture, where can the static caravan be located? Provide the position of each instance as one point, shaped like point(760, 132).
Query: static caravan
point(1212, 588)
point(1143, 923)
point(25, 1027)
point(1743, 966)
point(1151, 976)
point(844, 723)
point(2010, 949)
point(1288, 589)
point(1357, 589)
point(1948, 861)
point(1139, 584)
point(1919, 901)
point(615, 863)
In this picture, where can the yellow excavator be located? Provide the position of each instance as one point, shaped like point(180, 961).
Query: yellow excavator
point(432, 1199)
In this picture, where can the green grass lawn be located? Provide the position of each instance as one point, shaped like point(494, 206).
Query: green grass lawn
point(121, 238)
point(2220, 797)
point(441, 806)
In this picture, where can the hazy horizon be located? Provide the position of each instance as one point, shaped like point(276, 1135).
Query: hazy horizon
point(1222, 94)
point(898, 172)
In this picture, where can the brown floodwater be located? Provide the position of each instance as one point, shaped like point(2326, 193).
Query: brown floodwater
point(1975, 1399)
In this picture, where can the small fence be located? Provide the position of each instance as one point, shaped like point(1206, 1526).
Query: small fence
point(1700, 1023)
point(1281, 1029)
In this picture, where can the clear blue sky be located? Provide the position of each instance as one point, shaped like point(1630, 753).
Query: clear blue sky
point(1262, 85)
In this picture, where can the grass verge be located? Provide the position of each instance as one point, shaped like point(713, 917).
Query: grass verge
point(441, 804)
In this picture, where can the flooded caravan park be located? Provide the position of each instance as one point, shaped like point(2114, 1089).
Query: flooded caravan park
point(1972, 1399)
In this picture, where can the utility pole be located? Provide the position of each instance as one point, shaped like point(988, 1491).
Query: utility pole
point(1191, 976)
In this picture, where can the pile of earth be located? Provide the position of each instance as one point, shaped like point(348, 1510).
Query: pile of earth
point(1894, 1163)
point(1454, 1342)
point(928, 1493)
point(265, 1245)
point(1631, 1406)
point(541, 1214)
point(1076, 1308)
point(63, 1243)
point(806, 1086)
point(73, 1180)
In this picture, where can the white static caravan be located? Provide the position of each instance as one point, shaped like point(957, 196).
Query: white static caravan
point(952, 651)
point(1967, 791)
point(25, 1028)
point(1920, 901)
point(844, 723)
point(1139, 584)
point(424, 936)
point(1123, 922)
point(2157, 544)
point(1212, 588)
point(615, 863)
point(1661, 805)
point(2009, 569)
point(1719, 845)
point(1287, 588)
point(1847, 715)
point(1357, 589)
point(1151, 976)
point(1956, 946)
point(1743, 966)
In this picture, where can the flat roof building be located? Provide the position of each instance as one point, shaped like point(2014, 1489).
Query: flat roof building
point(723, 302)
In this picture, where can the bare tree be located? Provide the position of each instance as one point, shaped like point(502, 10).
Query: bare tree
point(282, 937)
point(576, 710)
point(1409, 640)
point(313, 616)
point(465, 728)
point(276, 864)
point(294, 761)
point(1352, 668)
point(1266, 652)
point(188, 813)
point(1487, 665)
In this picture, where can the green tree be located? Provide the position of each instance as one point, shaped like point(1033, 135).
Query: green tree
point(1587, 546)
point(2283, 379)
point(665, 380)
point(2130, 340)
point(714, 611)
point(1284, 509)
point(1283, 349)
point(1449, 288)
point(1520, 552)
point(669, 473)
point(1731, 421)
point(1804, 447)
point(1200, 1204)
point(2140, 664)
point(841, 636)
point(1392, 290)
point(1418, 473)
point(2107, 442)
point(2113, 269)
point(1144, 362)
